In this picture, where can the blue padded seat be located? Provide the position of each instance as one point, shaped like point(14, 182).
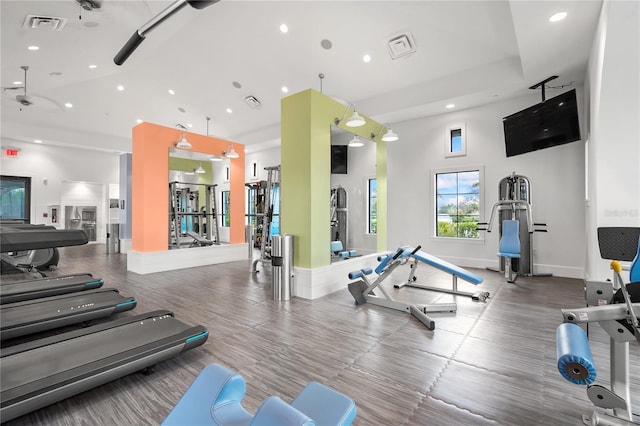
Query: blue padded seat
point(634, 270)
point(336, 246)
point(215, 398)
point(510, 241)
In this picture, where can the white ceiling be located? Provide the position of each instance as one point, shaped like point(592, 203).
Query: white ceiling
point(468, 53)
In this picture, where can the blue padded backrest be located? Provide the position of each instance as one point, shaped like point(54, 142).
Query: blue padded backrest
point(634, 270)
point(510, 239)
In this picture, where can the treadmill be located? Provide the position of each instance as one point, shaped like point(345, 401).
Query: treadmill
point(41, 372)
point(18, 291)
point(32, 316)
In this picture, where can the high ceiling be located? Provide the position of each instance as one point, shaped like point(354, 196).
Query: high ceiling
point(467, 53)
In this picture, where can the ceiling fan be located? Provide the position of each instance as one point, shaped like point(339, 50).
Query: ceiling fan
point(26, 101)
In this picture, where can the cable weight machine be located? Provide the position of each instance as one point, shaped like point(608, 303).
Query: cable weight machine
point(514, 203)
point(267, 214)
point(186, 214)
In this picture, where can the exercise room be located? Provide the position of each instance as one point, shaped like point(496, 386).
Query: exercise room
point(319, 212)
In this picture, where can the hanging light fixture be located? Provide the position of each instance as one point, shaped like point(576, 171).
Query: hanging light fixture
point(356, 142)
point(389, 136)
point(354, 121)
point(182, 142)
point(230, 152)
point(200, 170)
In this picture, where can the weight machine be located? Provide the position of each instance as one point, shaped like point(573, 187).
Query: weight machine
point(618, 314)
point(267, 213)
point(186, 216)
point(514, 204)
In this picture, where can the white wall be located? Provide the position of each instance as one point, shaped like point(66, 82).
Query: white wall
point(50, 166)
point(556, 176)
point(613, 97)
point(264, 158)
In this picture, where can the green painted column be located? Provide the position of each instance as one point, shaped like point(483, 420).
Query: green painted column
point(305, 178)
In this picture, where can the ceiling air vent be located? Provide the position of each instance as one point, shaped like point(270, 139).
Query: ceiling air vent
point(253, 102)
point(38, 22)
point(401, 45)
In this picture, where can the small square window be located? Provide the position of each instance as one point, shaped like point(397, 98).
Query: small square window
point(455, 141)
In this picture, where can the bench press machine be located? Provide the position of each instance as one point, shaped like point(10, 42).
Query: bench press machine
point(363, 289)
point(455, 271)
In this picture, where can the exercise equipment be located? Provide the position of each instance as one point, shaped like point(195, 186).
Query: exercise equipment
point(29, 248)
point(188, 218)
point(363, 289)
point(619, 317)
point(337, 249)
point(455, 271)
point(514, 204)
point(339, 216)
point(268, 215)
point(215, 398)
point(17, 291)
point(40, 372)
point(33, 316)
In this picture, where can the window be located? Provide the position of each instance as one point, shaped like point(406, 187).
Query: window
point(226, 216)
point(455, 143)
point(15, 199)
point(372, 207)
point(457, 203)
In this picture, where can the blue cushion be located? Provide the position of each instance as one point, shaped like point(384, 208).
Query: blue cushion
point(325, 405)
point(275, 411)
point(510, 240)
point(336, 246)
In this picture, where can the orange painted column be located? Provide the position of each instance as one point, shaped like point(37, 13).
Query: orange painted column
point(150, 184)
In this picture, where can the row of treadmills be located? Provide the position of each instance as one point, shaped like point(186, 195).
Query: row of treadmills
point(35, 372)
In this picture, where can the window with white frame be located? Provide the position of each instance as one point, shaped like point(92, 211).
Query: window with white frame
point(457, 203)
point(372, 207)
point(226, 208)
point(455, 144)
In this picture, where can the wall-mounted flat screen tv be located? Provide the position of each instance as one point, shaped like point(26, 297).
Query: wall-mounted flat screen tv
point(339, 159)
point(550, 123)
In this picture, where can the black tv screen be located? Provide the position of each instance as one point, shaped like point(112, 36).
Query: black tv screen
point(339, 159)
point(550, 123)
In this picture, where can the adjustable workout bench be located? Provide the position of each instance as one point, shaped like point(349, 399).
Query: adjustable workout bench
point(215, 398)
point(455, 271)
point(199, 241)
point(362, 290)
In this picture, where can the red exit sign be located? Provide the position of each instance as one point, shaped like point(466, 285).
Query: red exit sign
point(11, 152)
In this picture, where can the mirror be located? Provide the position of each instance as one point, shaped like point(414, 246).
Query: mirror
point(353, 195)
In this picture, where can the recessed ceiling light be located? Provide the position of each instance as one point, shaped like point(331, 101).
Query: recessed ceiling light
point(138, 121)
point(68, 105)
point(91, 24)
point(326, 44)
point(285, 89)
point(17, 82)
point(366, 58)
point(92, 66)
point(284, 28)
point(189, 125)
point(37, 140)
point(229, 110)
point(558, 17)
point(236, 85)
point(120, 87)
point(449, 106)
point(182, 109)
point(172, 92)
point(55, 73)
point(33, 48)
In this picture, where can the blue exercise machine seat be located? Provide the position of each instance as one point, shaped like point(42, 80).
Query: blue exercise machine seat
point(215, 398)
